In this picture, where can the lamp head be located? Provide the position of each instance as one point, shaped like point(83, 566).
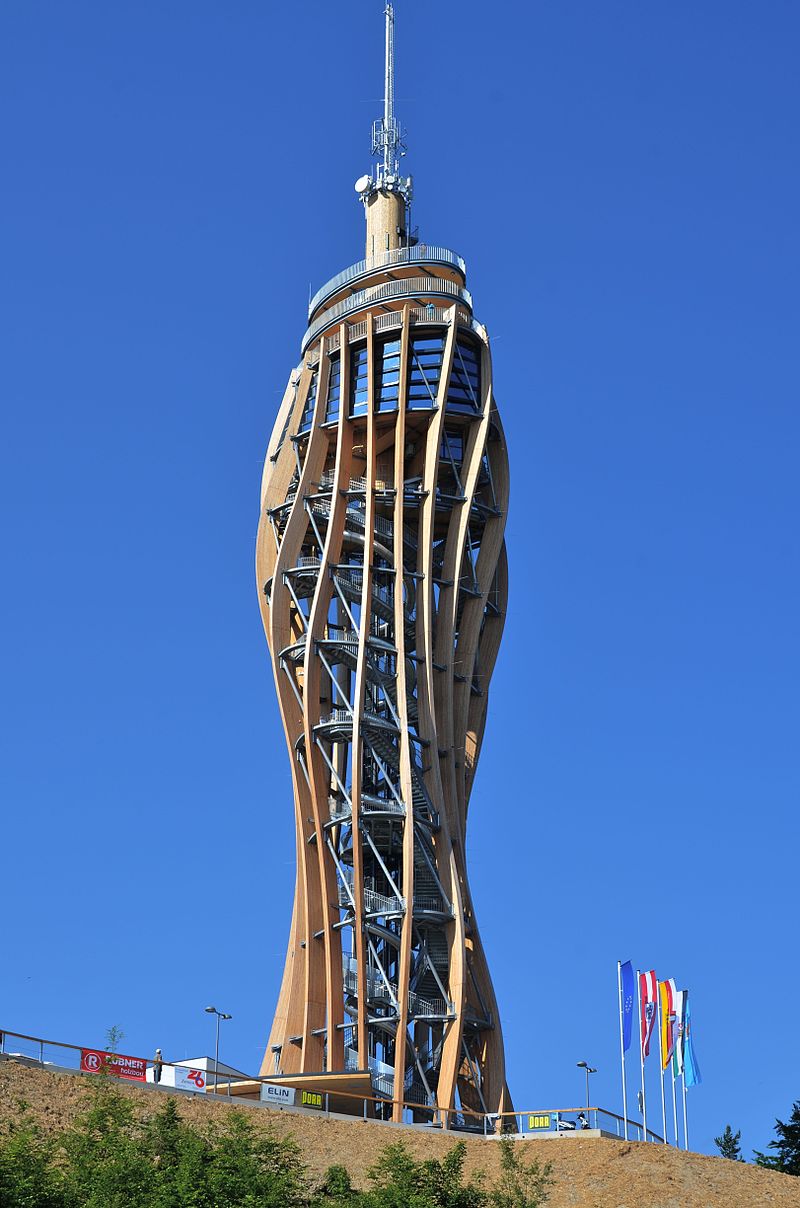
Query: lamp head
point(222, 1015)
point(211, 1010)
point(582, 1065)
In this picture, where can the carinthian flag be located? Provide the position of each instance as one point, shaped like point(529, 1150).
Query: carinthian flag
point(667, 991)
point(681, 1000)
point(691, 1070)
point(647, 994)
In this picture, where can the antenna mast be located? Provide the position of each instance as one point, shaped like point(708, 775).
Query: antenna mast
point(386, 194)
point(387, 136)
point(388, 96)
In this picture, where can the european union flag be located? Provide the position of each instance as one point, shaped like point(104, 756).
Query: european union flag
point(628, 994)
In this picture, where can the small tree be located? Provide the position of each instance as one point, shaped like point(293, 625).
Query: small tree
point(787, 1145)
point(104, 1162)
point(402, 1182)
point(29, 1175)
point(250, 1167)
point(728, 1144)
point(114, 1037)
point(520, 1185)
point(179, 1155)
point(336, 1185)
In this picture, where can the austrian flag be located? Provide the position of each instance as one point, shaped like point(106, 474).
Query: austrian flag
point(648, 993)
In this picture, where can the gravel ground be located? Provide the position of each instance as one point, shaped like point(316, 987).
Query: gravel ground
point(591, 1173)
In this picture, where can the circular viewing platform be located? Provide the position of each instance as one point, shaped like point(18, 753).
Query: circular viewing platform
point(425, 275)
point(420, 253)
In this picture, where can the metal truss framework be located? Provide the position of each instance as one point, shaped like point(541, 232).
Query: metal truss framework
point(382, 575)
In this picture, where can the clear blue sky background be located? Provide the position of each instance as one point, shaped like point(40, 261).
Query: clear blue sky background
point(623, 181)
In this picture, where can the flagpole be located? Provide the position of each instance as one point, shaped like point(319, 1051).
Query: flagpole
point(685, 1124)
point(674, 1108)
point(641, 1053)
point(622, 1050)
point(661, 1062)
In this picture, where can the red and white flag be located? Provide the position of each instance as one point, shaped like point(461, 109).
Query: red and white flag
point(648, 993)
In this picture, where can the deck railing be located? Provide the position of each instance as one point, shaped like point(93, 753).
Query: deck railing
point(378, 295)
point(59, 1055)
point(421, 253)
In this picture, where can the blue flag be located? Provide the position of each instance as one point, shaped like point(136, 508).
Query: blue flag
point(691, 1070)
point(628, 999)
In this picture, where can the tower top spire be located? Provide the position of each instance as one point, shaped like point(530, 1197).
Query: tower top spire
point(388, 137)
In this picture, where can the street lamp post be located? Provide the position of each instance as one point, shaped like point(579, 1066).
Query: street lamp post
point(220, 1015)
point(584, 1065)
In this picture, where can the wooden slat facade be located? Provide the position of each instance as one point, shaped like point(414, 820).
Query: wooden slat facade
point(382, 578)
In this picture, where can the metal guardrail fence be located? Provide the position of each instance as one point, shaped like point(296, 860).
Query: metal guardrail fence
point(421, 253)
point(36, 1050)
point(403, 287)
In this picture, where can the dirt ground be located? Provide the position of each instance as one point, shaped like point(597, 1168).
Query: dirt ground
point(590, 1173)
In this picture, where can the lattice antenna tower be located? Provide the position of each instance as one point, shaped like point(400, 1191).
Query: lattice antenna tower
point(388, 141)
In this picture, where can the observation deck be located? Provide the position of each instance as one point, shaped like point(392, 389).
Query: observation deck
point(417, 274)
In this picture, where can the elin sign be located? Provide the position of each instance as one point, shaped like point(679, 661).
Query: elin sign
point(93, 1061)
point(279, 1096)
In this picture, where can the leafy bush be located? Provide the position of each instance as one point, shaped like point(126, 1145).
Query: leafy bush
point(336, 1190)
point(110, 1157)
point(402, 1182)
point(521, 1184)
point(28, 1178)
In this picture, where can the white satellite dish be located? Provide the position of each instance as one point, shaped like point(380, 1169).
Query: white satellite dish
point(363, 183)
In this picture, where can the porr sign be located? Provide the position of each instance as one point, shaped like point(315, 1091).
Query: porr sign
point(541, 1121)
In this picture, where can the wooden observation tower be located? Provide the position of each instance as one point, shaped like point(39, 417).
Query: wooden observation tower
point(382, 577)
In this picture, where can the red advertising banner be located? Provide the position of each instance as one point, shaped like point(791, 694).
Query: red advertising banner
point(93, 1061)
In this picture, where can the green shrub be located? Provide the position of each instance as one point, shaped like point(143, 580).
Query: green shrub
point(520, 1185)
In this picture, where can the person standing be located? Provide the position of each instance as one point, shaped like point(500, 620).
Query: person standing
point(158, 1062)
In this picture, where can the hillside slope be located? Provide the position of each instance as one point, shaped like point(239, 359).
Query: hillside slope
point(588, 1173)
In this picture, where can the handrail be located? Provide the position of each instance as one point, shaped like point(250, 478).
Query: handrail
point(404, 287)
point(61, 1044)
point(488, 1122)
point(421, 253)
point(519, 1115)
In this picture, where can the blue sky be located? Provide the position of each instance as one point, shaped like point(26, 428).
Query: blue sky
point(623, 182)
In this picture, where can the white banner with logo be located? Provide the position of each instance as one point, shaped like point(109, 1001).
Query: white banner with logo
point(278, 1096)
point(188, 1079)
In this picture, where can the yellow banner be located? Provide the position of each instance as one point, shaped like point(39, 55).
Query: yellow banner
point(665, 998)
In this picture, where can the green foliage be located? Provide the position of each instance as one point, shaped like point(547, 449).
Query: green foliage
point(336, 1186)
point(787, 1146)
point(402, 1182)
point(28, 1177)
point(111, 1157)
point(728, 1144)
point(114, 1037)
point(521, 1184)
point(250, 1167)
point(105, 1163)
point(179, 1155)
